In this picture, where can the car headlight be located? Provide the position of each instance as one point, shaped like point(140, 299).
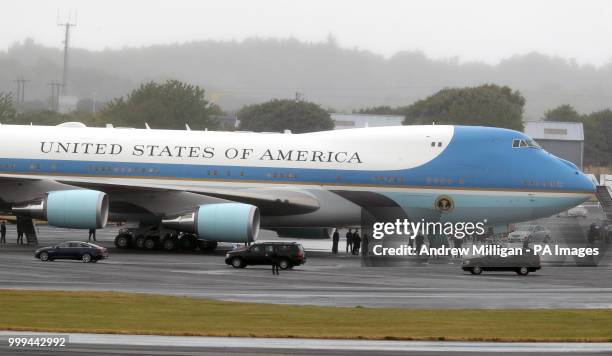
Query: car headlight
point(465, 262)
point(227, 255)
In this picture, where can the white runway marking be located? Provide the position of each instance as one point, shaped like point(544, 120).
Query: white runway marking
point(323, 344)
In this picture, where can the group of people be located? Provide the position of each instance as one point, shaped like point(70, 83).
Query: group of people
point(20, 234)
point(3, 234)
point(353, 242)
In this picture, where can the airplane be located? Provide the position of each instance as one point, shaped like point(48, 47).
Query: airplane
point(206, 187)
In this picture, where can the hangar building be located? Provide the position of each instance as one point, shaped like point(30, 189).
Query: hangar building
point(563, 139)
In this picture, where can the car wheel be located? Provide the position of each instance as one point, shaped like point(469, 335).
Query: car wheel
point(523, 271)
point(169, 244)
point(237, 262)
point(44, 256)
point(86, 258)
point(284, 264)
point(140, 242)
point(122, 241)
point(476, 270)
point(149, 244)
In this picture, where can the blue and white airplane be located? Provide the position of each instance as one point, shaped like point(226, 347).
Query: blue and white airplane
point(222, 186)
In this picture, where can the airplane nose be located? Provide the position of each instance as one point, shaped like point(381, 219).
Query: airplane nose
point(577, 179)
point(585, 183)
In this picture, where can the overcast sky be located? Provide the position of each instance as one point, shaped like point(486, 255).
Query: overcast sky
point(483, 30)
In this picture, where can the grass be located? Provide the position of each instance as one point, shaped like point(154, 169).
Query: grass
point(110, 312)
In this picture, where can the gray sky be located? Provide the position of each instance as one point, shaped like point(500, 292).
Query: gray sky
point(483, 30)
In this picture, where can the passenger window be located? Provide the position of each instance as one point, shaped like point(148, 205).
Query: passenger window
point(256, 249)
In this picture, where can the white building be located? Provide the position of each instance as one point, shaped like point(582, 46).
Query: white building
point(351, 121)
point(563, 139)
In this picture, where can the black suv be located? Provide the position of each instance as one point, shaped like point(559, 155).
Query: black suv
point(520, 264)
point(289, 254)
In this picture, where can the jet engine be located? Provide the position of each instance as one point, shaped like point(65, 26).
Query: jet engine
point(223, 222)
point(74, 209)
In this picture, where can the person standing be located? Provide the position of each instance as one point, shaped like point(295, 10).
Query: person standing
point(335, 240)
point(273, 257)
point(92, 234)
point(19, 235)
point(3, 232)
point(364, 245)
point(349, 241)
point(356, 242)
point(593, 234)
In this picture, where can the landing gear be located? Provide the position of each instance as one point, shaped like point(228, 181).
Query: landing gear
point(170, 242)
point(123, 240)
point(140, 242)
point(153, 238)
point(189, 242)
point(208, 246)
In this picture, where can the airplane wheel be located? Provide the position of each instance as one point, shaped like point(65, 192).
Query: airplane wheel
point(188, 242)
point(150, 243)
point(140, 242)
point(169, 244)
point(123, 241)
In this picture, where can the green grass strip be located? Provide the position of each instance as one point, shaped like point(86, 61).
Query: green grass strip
point(133, 313)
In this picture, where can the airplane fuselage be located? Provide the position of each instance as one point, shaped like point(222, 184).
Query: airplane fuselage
point(446, 173)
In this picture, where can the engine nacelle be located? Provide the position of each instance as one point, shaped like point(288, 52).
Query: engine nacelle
point(75, 209)
point(223, 222)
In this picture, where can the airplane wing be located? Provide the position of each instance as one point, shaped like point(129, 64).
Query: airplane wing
point(161, 199)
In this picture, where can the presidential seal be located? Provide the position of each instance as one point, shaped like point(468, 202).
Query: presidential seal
point(444, 204)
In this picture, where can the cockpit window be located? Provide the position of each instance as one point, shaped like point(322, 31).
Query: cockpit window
point(524, 143)
point(532, 143)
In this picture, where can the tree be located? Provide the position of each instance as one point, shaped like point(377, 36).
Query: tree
point(565, 113)
point(169, 105)
point(278, 115)
point(597, 133)
point(7, 109)
point(51, 118)
point(486, 105)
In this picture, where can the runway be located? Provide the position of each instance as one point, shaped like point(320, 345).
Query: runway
point(103, 344)
point(326, 279)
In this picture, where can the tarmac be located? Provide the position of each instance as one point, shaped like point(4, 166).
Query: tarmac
point(326, 279)
point(103, 344)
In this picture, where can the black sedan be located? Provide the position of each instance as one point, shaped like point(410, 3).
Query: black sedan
point(72, 250)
